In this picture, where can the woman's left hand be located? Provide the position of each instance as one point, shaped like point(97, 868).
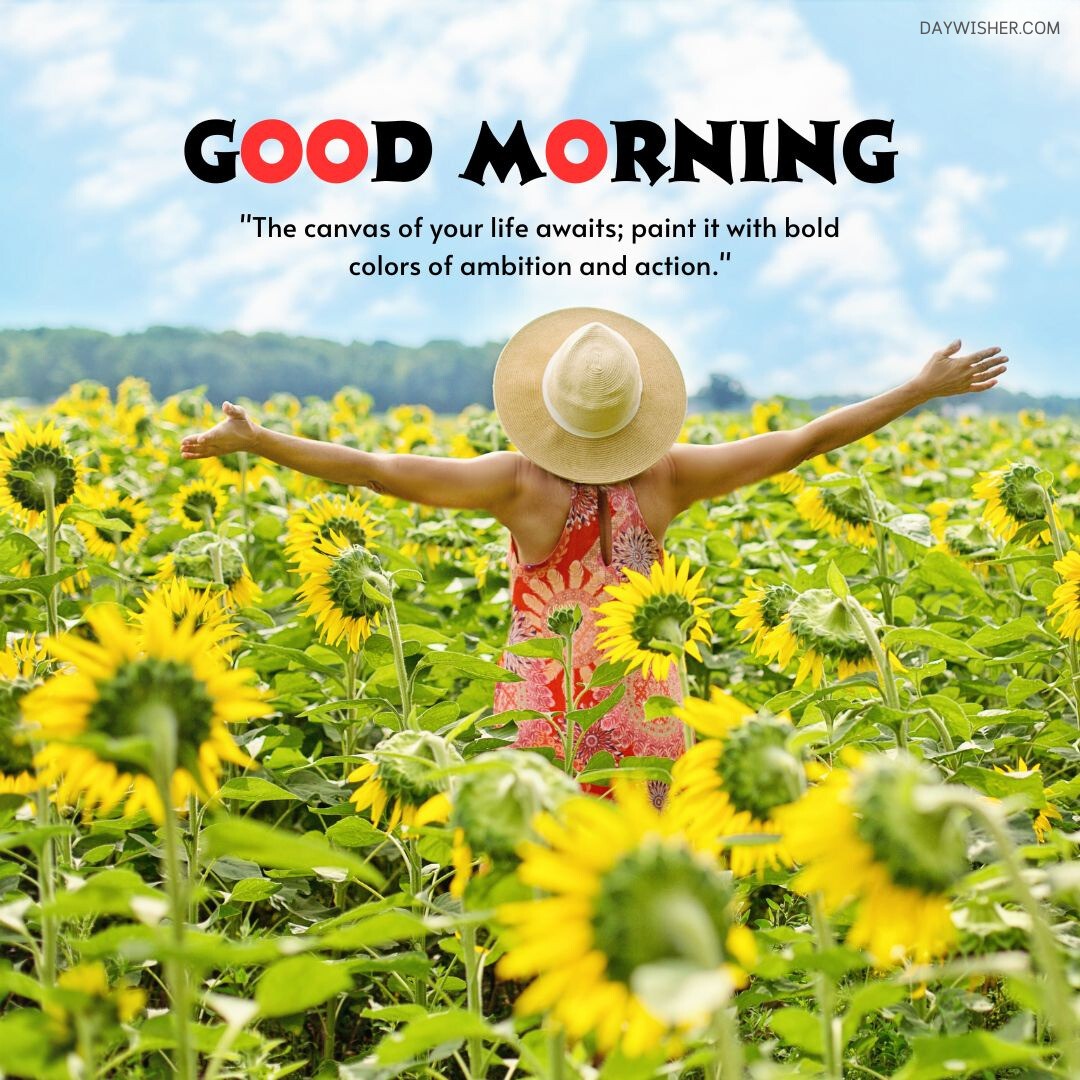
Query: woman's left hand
point(946, 374)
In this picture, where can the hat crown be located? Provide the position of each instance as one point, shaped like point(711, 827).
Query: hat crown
point(592, 383)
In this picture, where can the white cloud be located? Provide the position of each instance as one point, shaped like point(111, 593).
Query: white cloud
point(1049, 241)
point(167, 233)
point(42, 29)
point(970, 277)
point(1054, 58)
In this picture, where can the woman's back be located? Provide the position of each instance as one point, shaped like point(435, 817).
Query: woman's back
point(602, 532)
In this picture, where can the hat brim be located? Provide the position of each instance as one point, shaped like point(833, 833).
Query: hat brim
point(531, 428)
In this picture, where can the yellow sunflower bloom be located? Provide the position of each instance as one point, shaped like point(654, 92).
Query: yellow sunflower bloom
point(19, 664)
point(344, 589)
point(840, 512)
point(315, 524)
point(624, 894)
point(110, 503)
point(33, 460)
point(202, 607)
point(1065, 604)
point(1013, 499)
point(198, 505)
point(667, 607)
point(729, 784)
point(121, 689)
point(1048, 814)
point(408, 775)
point(863, 836)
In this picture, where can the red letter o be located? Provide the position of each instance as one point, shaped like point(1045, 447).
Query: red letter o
point(337, 172)
point(576, 172)
point(251, 151)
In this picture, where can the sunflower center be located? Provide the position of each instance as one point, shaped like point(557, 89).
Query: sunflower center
point(352, 530)
point(15, 754)
point(661, 618)
point(121, 514)
point(658, 903)
point(200, 506)
point(822, 621)
point(757, 769)
point(847, 504)
point(134, 701)
point(353, 578)
point(922, 849)
point(1021, 495)
point(45, 467)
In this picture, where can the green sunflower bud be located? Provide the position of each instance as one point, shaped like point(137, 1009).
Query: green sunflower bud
point(849, 504)
point(496, 804)
point(411, 763)
point(922, 849)
point(564, 621)
point(36, 469)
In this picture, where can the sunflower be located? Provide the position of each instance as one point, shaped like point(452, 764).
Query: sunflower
point(110, 503)
point(761, 611)
point(1043, 821)
point(197, 557)
point(33, 459)
point(765, 416)
point(729, 784)
point(409, 773)
point(627, 896)
point(314, 524)
point(840, 512)
point(648, 613)
point(1066, 601)
point(1013, 499)
point(83, 999)
point(187, 409)
point(97, 715)
point(350, 405)
point(229, 469)
point(495, 802)
point(344, 588)
point(201, 606)
point(822, 627)
point(85, 399)
point(865, 834)
point(198, 505)
point(18, 668)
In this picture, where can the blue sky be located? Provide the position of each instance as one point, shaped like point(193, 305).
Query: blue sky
point(976, 237)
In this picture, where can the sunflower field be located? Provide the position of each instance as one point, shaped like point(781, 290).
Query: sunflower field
point(259, 819)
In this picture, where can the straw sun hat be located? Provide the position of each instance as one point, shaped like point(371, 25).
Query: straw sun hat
point(589, 394)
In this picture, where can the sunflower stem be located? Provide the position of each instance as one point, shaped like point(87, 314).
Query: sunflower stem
point(394, 631)
point(244, 510)
point(888, 683)
point(689, 735)
point(46, 892)
point(48, 488)
point(477, 1069)
point(882, 552)
point(728, 1042)
point(826, 993)
point(176, 889)
point(416, 884)
point(568, 694)
point(1057, 995)
point(557, 1048)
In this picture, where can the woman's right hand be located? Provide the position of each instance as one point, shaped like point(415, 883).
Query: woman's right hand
point(235, 432)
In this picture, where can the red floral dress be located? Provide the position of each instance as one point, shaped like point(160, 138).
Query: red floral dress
point(575, 573)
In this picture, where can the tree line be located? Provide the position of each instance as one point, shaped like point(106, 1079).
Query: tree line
point(41, 364)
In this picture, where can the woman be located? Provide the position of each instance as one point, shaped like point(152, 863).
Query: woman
point(594, 402)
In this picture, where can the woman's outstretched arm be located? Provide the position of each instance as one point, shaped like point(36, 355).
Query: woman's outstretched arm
point(487, 483)
point(706, 472)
